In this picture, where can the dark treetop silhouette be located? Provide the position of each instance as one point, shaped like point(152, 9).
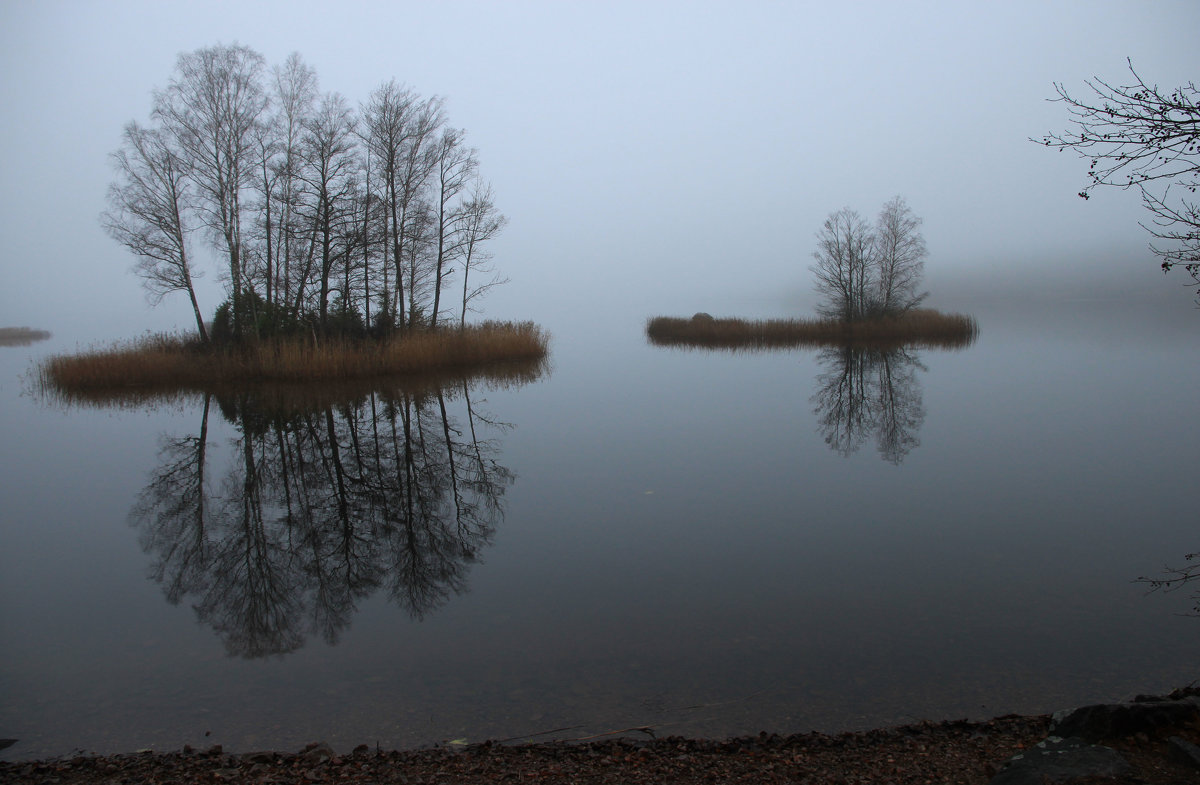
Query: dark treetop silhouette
point(1142, 137)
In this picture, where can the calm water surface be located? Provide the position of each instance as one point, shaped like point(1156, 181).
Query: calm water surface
point(711, 543)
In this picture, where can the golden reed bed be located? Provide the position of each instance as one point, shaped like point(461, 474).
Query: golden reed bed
point(161, 364)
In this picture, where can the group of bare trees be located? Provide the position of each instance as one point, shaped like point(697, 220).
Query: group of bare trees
point(323, 215)
point(867, 272)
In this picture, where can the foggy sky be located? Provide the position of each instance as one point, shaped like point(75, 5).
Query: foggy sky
point(651, 157)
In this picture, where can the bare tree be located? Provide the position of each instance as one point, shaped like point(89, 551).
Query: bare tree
point(262, 245)
point(900, 255)
point(845, 259)
point(1138, 136)
point(329, 174)
point(1177, 577)
point(456, 165)
point(212, 108)
point(419, 230)
point(384, 117)
point(294, 92)
point(146, 206)
point(398, 127)
point(480, 223)
point(864, 272)
point(372, 227)
point(419, 164)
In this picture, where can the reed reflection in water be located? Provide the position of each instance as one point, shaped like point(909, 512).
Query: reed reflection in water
point(320, 507)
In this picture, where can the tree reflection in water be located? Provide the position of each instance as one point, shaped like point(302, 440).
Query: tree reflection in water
point(321, 507)
point(865, 391)
point(867, 386)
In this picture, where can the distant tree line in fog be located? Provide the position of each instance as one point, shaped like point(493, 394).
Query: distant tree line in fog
point(326, 217)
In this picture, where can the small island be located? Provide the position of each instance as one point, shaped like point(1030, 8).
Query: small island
point(21, 336)
point(921, 328)
point(352, 242)
point(869, 282)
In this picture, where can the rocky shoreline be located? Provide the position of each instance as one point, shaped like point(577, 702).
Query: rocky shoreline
point(1149, 740)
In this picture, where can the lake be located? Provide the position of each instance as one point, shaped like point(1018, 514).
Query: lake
point(709, 543)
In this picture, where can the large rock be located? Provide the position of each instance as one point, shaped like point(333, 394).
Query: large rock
point(1185, 751)
point(1058, 761)
point(1071, 753)
point(1117, 720)
point(317, 752)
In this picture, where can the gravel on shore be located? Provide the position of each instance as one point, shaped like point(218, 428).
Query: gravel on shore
point(946, 752)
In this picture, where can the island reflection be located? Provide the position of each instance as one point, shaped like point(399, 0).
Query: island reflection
point(864, 388)
point(319, 507)
point(863, 391)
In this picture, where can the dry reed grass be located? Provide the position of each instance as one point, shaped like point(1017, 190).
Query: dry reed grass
point(163, 367)
point(293, 397)
point(924, 328)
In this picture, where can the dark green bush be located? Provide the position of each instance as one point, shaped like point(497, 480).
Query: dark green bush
point(343, 320)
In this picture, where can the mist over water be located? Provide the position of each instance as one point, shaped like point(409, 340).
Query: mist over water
point(708, 542)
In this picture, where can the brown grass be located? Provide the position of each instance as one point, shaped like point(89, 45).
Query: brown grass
point(920, 328)
point(164, 366)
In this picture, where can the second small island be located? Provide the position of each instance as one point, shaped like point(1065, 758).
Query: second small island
point(868, 278)
point(922, 327)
